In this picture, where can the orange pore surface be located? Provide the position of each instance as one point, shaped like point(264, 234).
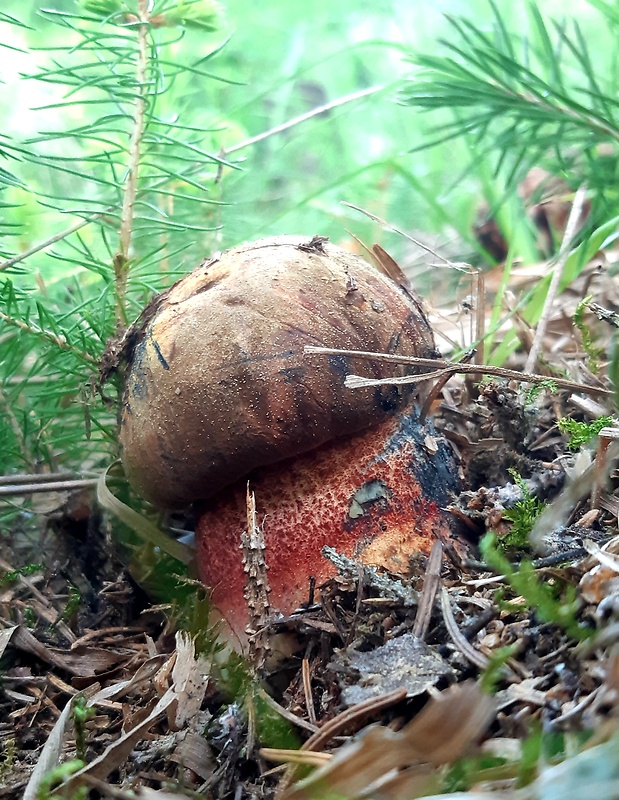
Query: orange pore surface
point(376, 496)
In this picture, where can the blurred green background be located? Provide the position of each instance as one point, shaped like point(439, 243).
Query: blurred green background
point(286, 61)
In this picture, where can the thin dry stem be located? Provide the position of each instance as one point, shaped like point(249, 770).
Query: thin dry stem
point(351, 717)
point(444, 261)
point(479, 282)
point(431, 584)
point(47, 243)
point(303, 118)
point(51, 486)
point(34, 477)
point(464, 646)
point(570, 230)
point(442, 367)
point(307, 690)
point(605, 437)
point(283, 712)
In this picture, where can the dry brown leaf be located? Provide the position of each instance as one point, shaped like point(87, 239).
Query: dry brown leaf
point(83, 662)
point(189, 681)
point(193, 752)
point(406, 784)
point(183, 698)
point(442, 732)
point(50, 755)
point(389, 266)
point(5, 638)
point(146, 793)
point(598, 583)
point(452, 721)
point(144, 674)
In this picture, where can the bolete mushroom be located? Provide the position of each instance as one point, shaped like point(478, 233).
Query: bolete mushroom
point(219, 389)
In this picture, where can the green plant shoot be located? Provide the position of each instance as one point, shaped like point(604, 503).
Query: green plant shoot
point(541, 597)
point(582, 432)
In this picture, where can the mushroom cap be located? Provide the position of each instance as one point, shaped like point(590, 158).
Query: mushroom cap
point(219, 384)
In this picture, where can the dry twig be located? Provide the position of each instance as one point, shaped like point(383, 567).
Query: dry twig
point(442, 367)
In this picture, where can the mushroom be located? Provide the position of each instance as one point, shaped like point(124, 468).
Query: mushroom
point(219, 389)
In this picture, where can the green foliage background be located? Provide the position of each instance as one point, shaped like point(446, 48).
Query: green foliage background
point(209, 179)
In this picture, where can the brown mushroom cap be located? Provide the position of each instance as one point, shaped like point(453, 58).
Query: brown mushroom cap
point(219, 383)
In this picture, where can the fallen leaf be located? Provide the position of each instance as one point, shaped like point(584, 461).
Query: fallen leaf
point(182, 698)
point(442, 732)
point(5, 638)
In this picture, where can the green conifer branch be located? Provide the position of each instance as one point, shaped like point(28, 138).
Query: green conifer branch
point(122, 257)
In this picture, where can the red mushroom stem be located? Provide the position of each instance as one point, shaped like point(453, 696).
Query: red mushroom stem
point(377, 497)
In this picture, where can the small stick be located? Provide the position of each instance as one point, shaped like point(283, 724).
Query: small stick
point(314, 112)
point(430, 588)
point(438, 387)
point(35, 477)
point(464, 646)
point(352, 716)
point(283, 712)
point(307, 691)
point(389, 226)
point(446, 367)
point(480, 315)
point(48, 242)
point(51, 486)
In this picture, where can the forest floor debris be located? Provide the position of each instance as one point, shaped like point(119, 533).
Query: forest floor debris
point(493, 670)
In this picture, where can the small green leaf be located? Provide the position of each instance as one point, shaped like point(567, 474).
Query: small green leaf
point(582, 432)
point(543, 599)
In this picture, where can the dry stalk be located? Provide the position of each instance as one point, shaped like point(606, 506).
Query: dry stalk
point(351, 718)
point(291, 123)
point(570, 230)
point(479, 282)
point(307, 690)
point(288, 715)
point(442, 367)
point(444, 261)
point(463, 645)
point(38, 487)
point(601, 470)
point(431, 584)
point(48, 242)
point(35, 477)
